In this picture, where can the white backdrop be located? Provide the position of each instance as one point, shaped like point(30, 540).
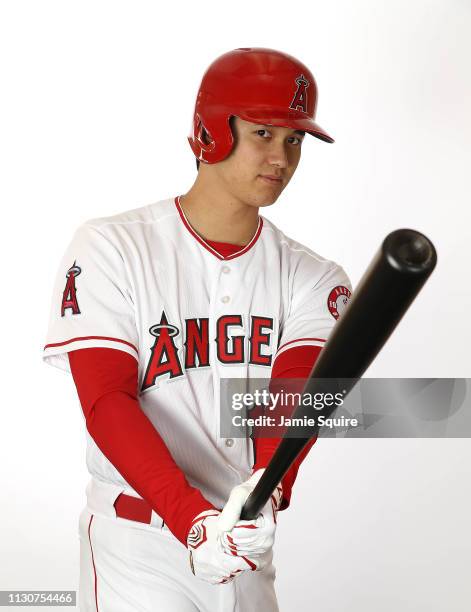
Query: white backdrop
point(96, 104)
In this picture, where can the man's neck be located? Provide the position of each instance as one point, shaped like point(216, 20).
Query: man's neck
point(221, 219)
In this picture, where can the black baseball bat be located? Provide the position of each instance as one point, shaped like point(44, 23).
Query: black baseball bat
point(395, 276)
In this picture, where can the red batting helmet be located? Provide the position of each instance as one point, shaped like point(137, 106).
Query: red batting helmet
point(258, 85)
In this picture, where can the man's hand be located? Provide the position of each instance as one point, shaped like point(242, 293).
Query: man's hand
point(208, 560)
point(253, 538)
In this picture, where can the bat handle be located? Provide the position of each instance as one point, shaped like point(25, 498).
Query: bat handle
point(286, 454)
point(251, 508)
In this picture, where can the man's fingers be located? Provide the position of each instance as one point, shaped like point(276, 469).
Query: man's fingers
point(230, 514)
point(229, 517)
point(257, 548)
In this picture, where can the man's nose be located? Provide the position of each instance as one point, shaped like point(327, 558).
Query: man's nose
point(278, 155)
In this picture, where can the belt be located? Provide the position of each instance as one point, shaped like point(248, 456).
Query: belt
point(133, 508)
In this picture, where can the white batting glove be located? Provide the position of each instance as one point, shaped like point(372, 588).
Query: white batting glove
point(208, 560)
point(250, 538)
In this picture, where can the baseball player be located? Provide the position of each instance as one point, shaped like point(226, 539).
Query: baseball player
point(151, 308)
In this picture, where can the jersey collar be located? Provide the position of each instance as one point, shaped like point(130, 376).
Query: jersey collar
point(207, 246)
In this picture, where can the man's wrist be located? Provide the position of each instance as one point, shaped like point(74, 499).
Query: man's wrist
point(189, 508)
point(197, 533)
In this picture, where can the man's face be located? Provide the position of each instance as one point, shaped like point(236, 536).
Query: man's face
point(259, 151)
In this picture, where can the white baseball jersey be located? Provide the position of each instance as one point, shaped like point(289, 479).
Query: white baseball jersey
point(144, 282)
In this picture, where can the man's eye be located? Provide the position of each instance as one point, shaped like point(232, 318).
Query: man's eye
point(261, 132)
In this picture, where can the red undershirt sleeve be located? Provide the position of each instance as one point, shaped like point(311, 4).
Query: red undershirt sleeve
point(106, 381)
point(296, 364)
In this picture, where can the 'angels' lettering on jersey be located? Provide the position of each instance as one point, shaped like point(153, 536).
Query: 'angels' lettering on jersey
point(230, 348)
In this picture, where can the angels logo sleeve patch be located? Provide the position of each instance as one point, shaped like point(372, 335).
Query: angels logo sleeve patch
point(91, 302)
point(338, 300)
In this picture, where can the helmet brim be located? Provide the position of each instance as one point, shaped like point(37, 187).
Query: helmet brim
point(296, 123)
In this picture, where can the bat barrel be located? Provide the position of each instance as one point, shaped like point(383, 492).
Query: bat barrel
point(402, 265)
point(395, 276)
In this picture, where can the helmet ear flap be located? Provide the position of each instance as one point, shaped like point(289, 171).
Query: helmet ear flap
point(202, 135)
point(211, 138)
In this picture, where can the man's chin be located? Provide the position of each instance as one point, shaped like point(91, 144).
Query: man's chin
point(260, 199)
point(268, 202)
point(270, 198)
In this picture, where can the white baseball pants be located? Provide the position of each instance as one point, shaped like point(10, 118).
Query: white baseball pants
point(128, 566)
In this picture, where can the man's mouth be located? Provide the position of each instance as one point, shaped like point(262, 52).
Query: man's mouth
point(271, 179)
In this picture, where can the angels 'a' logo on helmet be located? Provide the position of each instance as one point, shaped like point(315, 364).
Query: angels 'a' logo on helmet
point(338, 300)
point(299, 101)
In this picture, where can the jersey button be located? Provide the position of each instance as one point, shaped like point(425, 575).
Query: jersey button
point(229, 442)
point(226, 269)
point(225, 299)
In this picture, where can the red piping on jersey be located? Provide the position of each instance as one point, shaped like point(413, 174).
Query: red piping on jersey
point(93, 561)
point(91, 338)
point(208, 247)
point(299, 340)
